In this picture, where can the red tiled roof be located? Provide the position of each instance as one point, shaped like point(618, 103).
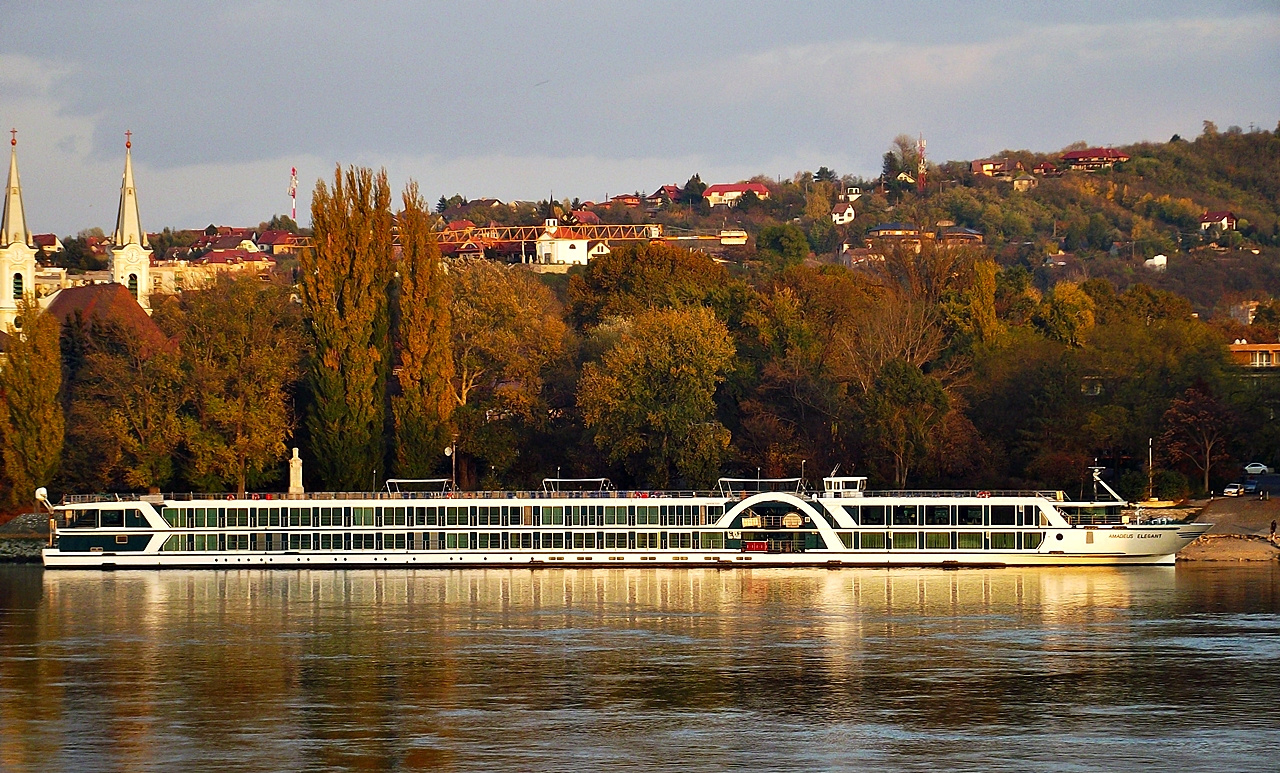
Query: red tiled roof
point(1217, 217)
point(1110, 154)
point(107, 303)
point(586, 217)
point(276, 237)
point(756, 188)
point(45, 240)
point(459, 225)
point(231, 257)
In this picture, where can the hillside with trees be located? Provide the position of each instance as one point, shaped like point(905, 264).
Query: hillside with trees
point(1015, 363)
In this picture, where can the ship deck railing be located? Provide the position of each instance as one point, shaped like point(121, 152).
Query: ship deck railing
point(439, 496)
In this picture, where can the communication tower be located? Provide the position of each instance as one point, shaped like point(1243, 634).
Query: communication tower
point(920, 172)
point(293, 192)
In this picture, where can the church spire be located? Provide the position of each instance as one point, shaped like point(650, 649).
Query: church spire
point(13, 226)
point(128, 223)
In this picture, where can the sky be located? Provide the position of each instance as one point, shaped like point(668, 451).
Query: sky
point(586, 99)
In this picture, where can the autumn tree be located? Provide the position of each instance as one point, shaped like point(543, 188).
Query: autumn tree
point(1197, 429)
point(507, 329)
point(650, 401)
point(125, 421)
point(642, 276)
point(423, 408)
point(343, 281)
point(31, 420)
point(1066, 314)
point(241, 347)
point(781, 246)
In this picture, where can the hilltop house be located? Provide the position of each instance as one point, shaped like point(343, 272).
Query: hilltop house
point(842, 213)
point(992, 167)
point(1223, 219)
point(728, 194)
point(1094, 159)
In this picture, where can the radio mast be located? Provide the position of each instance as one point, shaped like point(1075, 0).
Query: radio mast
point(920, 172)
point(293, 192)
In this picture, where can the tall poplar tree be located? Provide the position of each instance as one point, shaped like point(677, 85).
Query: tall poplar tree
point(31, 421)
point(344, 281)
point(425, 403)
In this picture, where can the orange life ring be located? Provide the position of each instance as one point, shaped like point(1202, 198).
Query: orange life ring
point(230, 497)
point(984, 495)
point(255, 497)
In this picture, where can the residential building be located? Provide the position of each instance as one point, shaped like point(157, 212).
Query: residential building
point(842, 213)
point(48, 244)
point(1094, 159)
point(1255, 355)
point(728, 194)
point(1156, 263)
point(1224, 220)
point(992, 167)
point(1024, 182)
point(1045, 169)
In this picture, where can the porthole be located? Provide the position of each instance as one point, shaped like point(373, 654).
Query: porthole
point(1059, 536)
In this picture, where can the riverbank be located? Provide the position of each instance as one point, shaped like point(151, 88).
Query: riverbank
point(22, 539)
point(1241, 527)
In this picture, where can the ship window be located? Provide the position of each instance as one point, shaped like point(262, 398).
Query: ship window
point(112, 518)
point(937, 540)
point(711, 540)
point(852, 510)
point(873, 515)
point(969, 515)
point(1032, 539)
point(871, 540)
point(681, 540)
point(1003, 515)
point(937, 515)
point(846, 538)
point(514, 517)
point(906, 515)
point(970, 540)
point(1003, 540)
point(1030, 515)
point(326, 541)
point(552, 540)
point(905, 540)
point(173, 516)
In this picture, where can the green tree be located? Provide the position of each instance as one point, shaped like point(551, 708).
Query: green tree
point(241, 351)
point(425, 403)
point(31, 420)
point(782, 246)
point(902, 409)
point(343, 281)
point(650, 402)
point(641, 276)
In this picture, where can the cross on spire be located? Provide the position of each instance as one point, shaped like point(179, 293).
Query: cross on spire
point(128, 138)
point(13, 133)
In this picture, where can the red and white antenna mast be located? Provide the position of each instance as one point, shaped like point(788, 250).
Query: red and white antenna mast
point(293, 192)
point(920, 172)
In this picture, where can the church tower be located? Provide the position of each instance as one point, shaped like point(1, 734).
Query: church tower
point(129, 254)
point(17, 250)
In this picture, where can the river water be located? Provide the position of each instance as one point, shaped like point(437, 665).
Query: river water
point(644, 669)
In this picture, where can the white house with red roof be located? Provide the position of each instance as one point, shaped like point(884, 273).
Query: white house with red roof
point(728, 194)
point(562, 244)
point(842, 213)
point(1222, 219)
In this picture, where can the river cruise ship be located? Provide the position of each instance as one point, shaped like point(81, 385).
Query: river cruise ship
point(741, 523)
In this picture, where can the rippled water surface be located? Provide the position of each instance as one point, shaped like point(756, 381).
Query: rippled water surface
point(645, 669)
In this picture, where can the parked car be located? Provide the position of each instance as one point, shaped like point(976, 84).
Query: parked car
point(1233, 490)
point(1257, 468)
point(1251, 487)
